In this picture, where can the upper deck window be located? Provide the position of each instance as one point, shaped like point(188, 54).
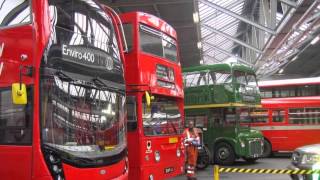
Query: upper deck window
point(128, 31)
point(157, 43)
point(290, 91)
point(245, 78)
point(83, 37)
point(206, 78)
point(14, 12)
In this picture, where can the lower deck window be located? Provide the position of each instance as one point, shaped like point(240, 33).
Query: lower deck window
point(304, 116)
point(15, 120)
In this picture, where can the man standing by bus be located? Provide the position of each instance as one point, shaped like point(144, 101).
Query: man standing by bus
point(192, 141)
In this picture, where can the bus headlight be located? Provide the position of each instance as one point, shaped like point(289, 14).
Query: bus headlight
point(310, 159)
point(151, 177)
point(178, 153)
point(157, 156)
point(242, 144)
point(126, 166)
point(54, 165)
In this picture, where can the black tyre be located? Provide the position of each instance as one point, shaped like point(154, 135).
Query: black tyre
point(224, 154)
point(203, 158)
point(267, 148)
point(251, 160)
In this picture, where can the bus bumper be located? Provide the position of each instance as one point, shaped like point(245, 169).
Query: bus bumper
point(158, 171)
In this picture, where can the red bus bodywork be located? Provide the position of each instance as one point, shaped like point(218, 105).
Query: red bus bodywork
point(300, 124)
point(141, 76)
point(24, 162)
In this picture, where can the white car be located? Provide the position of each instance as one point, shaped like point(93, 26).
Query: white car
point(306, 158)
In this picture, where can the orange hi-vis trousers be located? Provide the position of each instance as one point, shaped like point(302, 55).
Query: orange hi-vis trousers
point(192, 155)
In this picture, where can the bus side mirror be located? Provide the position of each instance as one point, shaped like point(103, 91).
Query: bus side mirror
point(148, 98)
point(19, 94)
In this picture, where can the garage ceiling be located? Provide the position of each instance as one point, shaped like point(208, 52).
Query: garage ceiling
point(270, 35)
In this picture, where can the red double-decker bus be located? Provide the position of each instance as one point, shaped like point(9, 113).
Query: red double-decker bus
point(290, 114)
point(62, 91)
point(153, 70)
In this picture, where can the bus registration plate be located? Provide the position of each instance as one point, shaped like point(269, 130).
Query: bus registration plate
point(168, 170)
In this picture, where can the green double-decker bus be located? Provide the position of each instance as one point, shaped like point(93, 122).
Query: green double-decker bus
point(218, 98)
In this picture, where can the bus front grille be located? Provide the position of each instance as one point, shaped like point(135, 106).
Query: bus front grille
point(255, 147)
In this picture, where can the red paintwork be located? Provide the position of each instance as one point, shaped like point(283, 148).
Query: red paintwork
point(115, 171)
point(27, 162)
point(289, 82)
point(284, 136)
point(310, 101)
point(141, 67)
point(140, 77)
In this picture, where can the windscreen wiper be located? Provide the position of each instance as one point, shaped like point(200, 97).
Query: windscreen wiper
point(63, 76)
point(100, 84)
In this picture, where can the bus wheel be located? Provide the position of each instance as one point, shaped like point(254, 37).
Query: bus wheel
point(203, 158)
point(267, 149)
point(224, 154)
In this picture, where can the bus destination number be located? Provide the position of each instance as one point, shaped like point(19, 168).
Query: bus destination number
point(87, 56)
point(94, 57)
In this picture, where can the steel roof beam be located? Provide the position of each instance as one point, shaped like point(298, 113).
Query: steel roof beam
point(232, 38)
point(145, 3)
point(232, 23)
point(212, 59)
point(289, 3)
point(237, 16)
point(209, 16)
point(228, 53)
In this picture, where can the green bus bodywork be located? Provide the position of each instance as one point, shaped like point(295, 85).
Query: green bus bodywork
point(217, 98)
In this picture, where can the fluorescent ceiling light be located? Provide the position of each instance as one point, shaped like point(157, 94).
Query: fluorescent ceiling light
point(196, 18)
point(281, 71)
point(315, 40)
point(294, 58)
point(199, 45)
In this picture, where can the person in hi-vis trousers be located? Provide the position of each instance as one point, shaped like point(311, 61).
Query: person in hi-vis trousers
point(191, 141)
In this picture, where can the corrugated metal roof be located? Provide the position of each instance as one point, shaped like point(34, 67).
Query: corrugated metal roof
point(240, 29)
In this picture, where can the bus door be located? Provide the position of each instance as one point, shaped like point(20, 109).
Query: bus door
point(279, 137)
point(16, 42)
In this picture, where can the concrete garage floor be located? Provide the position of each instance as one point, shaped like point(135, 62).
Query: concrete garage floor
point(277, 162)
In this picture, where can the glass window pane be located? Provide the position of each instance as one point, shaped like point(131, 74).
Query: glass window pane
point(128, 31)
point(191, 79)
point(83, 39)
point(200, 121)
point(151, 41)
point(277, 93)
point(278, 115)
point(14, 12)
point(78, 115)
point(266, 94)
point(15, 120)
point(162, 118)
point(230, 117)
point(131, 113)
point(259, 115)
point(221, 77)
point(296, 116)
point(170, 48)
point(240, 77)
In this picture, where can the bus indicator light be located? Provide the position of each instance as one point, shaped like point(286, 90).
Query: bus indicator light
point(173, 140)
